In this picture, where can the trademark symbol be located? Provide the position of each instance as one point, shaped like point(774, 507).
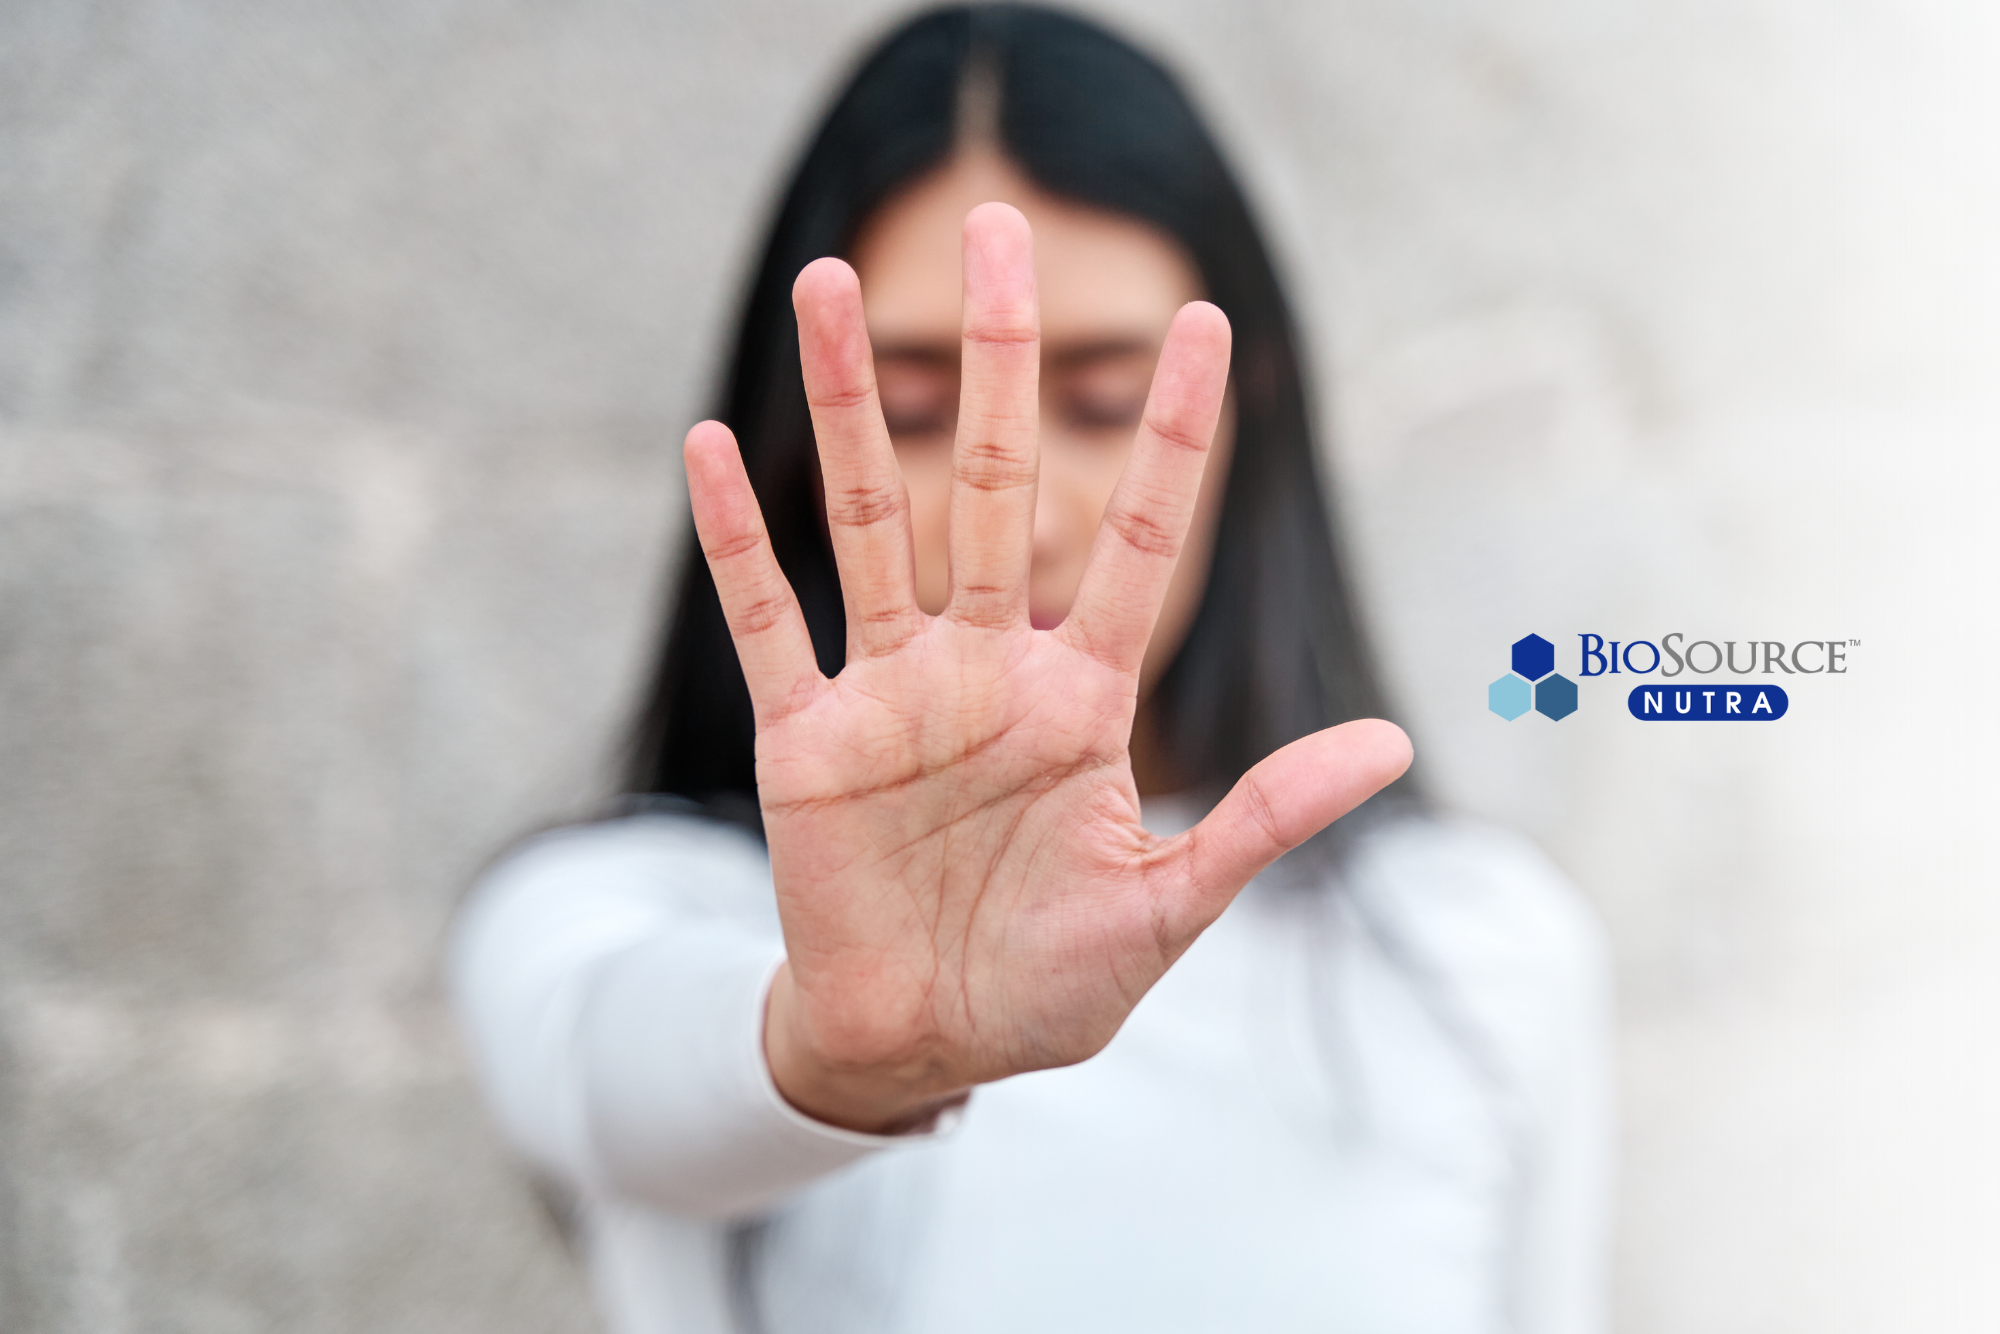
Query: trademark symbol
point(1854, 643)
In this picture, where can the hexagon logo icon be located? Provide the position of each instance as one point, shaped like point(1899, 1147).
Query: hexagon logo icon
point(1509, 696)
point(1555, 697)
point(1534, 658)
point(1552, 696)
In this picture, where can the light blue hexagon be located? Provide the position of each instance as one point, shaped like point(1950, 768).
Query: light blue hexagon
point(1509, 697)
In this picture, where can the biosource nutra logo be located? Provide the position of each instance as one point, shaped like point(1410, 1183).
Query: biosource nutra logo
point(1749, 693)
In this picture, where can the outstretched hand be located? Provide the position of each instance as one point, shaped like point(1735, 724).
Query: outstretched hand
point(965, 888)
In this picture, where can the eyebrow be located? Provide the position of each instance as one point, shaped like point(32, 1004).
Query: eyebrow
point(1061, 356)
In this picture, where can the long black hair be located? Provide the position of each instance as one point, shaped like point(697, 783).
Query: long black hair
point(1275, 650)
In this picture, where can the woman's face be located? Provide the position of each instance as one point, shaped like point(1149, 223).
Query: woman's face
point(1109, 287)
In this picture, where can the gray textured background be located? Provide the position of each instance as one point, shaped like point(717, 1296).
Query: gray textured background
point(344, 353)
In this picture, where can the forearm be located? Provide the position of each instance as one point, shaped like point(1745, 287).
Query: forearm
point(614, 996)
point(679, 1102)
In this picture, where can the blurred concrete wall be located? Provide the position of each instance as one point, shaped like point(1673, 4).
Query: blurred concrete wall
point(344, 353)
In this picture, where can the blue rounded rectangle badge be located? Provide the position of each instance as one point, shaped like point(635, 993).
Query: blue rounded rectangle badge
point(1708, 704)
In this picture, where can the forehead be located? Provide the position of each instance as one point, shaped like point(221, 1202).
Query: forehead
point(1098, 273)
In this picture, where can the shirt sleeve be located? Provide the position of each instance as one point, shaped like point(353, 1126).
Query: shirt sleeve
point(611, 980)
point(1566, 1064)
point(1530, 965)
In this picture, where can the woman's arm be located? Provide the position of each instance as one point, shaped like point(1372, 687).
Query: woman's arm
point(612, 980)
point(1507, 946)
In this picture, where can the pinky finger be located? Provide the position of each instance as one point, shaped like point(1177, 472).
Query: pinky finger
point(758, 603)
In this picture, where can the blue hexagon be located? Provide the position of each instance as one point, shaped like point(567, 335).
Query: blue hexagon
point(1534, 657)
point(1509, 696)
point(1555, 697)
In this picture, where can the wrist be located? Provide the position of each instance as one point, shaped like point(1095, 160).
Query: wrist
point(875, 1098)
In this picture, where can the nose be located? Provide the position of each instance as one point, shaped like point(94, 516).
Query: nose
point(1053, 555)
point(1048, 516)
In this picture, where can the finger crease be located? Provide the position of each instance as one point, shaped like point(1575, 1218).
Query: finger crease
point(841, 398)
point(1143, 533)
point(1260, 812)
point(729, 548)
point(1177, 435)
point(760, 616)
point(1003, 336)
point(864, 506)
point(990, 468)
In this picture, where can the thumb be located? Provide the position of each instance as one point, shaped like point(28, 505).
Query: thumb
point(1286, 799)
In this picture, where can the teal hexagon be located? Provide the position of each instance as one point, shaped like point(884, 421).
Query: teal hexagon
point(1555, 697)
point(1509, 697)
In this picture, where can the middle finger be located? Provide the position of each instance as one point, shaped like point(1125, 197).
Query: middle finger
point(994, 455)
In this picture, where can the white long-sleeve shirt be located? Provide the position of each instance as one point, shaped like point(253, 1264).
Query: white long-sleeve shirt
point(1379, 1106)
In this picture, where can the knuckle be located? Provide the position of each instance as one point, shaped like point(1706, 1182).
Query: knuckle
point(840, 397)
point(1080, 630)
point(728, 548)
point(989, 465)
point(864, 506)
point(1107, 643)
point(1143, 533)
point(984, 607)
point(1258, 804)
point(883, 632)
point(759, 615)
point(794, 699)
point(1178, 433)
point(1000, 333)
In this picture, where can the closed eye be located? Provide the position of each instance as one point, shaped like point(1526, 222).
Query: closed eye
point(919, 392)
point(1101, 389)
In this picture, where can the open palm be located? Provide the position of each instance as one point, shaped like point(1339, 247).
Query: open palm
point(965, 888)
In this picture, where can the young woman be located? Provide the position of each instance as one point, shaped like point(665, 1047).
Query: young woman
point(914, 990)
